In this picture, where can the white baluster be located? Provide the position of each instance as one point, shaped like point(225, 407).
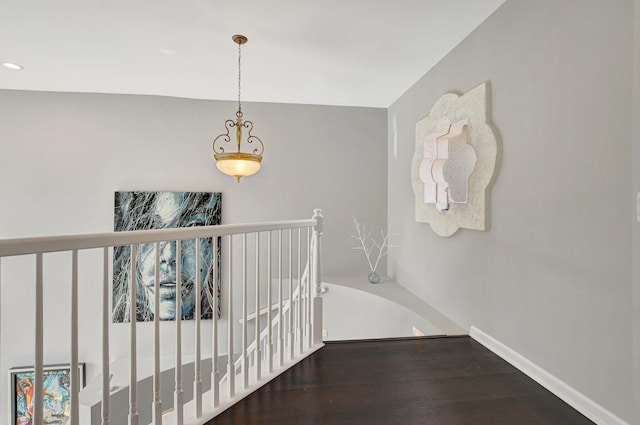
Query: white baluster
point(133, 355)
point(291, 306)
point(105, 336)
point(197, 381)
point(269, 309)
point(280, 318)
point(231, 369)
point(257, 336)
point(299, 328)
point(38, 380)
point(0, 304)
point(178, 397)
point(308, 289)
point(215, 371)
point(75, 388)
point(245, 359)
point(317, 279)
point(157, 401)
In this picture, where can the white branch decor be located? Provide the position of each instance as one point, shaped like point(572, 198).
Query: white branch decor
point(365, 243)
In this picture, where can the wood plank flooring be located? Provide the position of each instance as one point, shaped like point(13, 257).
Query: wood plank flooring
point(435, 381)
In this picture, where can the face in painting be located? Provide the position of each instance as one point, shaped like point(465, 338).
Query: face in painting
point(167, 208)
point(167, 291)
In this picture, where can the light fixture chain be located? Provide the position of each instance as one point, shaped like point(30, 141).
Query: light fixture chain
point(239, 77)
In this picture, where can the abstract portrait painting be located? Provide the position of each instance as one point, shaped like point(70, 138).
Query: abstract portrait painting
point(163, 210)
point(56, 394)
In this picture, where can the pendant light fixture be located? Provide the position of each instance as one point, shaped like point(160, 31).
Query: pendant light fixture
point(230, 159)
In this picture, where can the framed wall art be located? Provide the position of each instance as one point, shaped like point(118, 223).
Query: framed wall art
point(163, 210)
point(56, 396)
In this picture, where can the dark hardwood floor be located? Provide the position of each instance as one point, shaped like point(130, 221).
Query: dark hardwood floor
point(435, 381)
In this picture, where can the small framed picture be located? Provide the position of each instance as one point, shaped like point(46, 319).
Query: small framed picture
point(57, 393)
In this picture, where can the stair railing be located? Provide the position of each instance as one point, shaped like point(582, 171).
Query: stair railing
point(298, 337)
point(300, 314)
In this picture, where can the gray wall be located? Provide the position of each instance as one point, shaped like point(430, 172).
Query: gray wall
point(552, 278)
point(64, 155)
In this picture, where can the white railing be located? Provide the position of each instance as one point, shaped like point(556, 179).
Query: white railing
point(297, 307)
point(297, 324)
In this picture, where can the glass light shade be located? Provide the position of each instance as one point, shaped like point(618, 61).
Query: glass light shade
point(238, 164)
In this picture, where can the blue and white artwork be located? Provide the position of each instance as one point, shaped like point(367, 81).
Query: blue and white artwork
point(162, 210)
point(56, 394)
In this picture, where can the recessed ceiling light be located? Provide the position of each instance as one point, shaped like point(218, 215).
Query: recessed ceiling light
point(11, 65)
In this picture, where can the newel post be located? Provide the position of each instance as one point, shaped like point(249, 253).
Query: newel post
point(317, 277)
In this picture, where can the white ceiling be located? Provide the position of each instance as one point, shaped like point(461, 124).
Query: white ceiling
point(330, 52)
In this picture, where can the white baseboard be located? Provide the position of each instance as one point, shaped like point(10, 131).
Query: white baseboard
point(568, 394)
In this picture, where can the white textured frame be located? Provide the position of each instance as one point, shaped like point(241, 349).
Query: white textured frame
point(472, 106)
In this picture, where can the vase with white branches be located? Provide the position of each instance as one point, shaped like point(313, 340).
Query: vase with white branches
point(371, 248)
